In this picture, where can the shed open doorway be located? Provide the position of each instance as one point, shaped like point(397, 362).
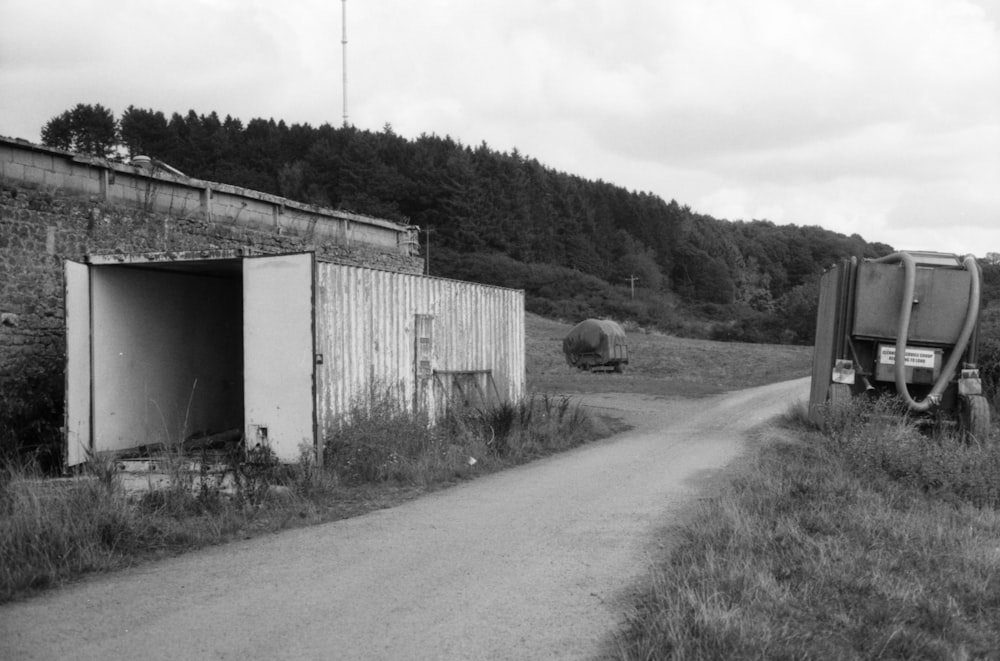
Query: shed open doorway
point(162, 350)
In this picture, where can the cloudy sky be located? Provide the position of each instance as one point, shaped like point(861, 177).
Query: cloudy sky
point(876, 117)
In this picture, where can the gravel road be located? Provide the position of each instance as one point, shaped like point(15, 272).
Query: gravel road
point(539, 562)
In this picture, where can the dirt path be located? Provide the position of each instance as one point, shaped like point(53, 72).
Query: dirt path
point(539, 562)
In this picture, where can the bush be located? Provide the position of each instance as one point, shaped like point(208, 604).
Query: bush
point(989, 354)
point(31, 409)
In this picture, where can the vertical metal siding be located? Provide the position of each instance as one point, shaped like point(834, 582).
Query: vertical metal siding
point(829, 321)
point(366, 333)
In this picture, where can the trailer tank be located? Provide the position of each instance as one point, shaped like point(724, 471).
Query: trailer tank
point(923, 306)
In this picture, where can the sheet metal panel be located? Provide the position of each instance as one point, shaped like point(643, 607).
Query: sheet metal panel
point(828, 336)
point(941, 301)
point(278, 366)
point(78, 367)
point(367, 332)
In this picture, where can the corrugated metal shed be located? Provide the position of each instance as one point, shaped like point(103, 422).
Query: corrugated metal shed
point(284, 345)
point(424, 339)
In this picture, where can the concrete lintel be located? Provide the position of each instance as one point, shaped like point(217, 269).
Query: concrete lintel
point(173, 256)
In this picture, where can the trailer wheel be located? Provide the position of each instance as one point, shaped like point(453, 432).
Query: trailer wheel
point(620, 368)
point(974, 418)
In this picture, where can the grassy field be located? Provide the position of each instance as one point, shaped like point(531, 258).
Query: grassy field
point(872, 540)
point(661, 365)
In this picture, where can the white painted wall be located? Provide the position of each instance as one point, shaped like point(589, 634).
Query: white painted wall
point(278, 350)
point(78, 372)
point(167, 355)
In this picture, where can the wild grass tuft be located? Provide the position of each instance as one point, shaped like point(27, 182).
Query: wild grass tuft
point(49, 529)
point(52, 530)
point(871, 540)
point(384, 443)
point(877, 441)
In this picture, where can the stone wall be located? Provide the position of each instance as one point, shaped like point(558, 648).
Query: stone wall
point(43, 223)
point(153, 186)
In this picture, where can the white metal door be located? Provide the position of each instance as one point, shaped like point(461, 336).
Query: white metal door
point(278, 358)
point(78, 365)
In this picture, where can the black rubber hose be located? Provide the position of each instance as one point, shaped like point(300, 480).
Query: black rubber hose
point(903, 329)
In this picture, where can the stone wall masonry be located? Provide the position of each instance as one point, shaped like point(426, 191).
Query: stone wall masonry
point(54, 208)
point(155, 187)
point(40, 229)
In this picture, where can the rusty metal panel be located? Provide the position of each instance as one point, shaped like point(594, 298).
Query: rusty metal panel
point(941, 298)
point(369, 327)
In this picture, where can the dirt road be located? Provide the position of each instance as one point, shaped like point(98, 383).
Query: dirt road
point(540, 562)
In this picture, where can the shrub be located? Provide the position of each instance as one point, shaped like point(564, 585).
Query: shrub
point(989, 354)
point(31, 407)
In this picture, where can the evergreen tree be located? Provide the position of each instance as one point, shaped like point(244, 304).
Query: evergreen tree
point(504, 218)
point(86, 129)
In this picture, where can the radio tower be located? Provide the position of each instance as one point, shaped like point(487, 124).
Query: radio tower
point(343, 44)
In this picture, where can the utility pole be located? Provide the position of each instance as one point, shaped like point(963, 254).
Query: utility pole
point(427, 250)
point(632, 280)
point(343, 44)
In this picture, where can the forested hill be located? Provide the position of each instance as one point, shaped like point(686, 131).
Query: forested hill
point(578, 248)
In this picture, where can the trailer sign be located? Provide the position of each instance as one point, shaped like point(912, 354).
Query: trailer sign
point(922, 365)
point(911, 358)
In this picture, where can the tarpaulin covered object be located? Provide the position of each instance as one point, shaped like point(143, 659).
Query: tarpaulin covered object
point(596, 343)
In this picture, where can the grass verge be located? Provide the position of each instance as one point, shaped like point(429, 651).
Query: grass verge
point(871, 540)
point(52, 531)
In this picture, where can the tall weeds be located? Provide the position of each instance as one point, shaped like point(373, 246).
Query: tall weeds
point(877, 441)
point(53, 530)
point(50, 529)
point(382, 442)
point(871, 540)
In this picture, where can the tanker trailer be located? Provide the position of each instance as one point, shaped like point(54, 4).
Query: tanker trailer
point(596, 344)
point(921, 306)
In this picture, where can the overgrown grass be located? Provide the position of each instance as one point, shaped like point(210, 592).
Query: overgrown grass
point(383, 443)
point(871, 540)
point(54, 530)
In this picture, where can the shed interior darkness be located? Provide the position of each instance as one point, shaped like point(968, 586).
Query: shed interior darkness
point(167, 351)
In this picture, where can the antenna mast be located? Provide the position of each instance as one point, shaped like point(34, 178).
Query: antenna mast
point(343, 42)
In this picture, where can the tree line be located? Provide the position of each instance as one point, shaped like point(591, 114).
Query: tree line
point(577, 247)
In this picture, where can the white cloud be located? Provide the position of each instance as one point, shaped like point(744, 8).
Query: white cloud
point(868, 116)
